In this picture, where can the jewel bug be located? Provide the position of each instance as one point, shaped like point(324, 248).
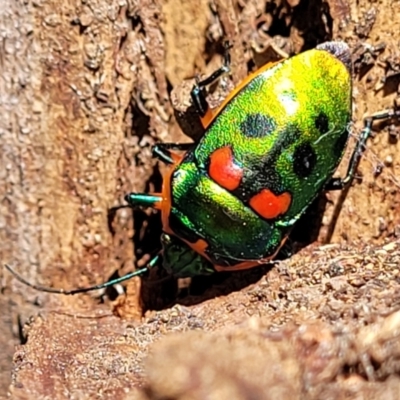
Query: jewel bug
point(230, 200)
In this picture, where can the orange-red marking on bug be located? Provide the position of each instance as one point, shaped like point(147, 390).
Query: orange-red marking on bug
point(269, 205)
point(223, 170)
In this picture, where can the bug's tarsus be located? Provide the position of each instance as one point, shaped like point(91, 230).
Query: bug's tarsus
point(340, 183)
point(104, 285)
point(221, 71)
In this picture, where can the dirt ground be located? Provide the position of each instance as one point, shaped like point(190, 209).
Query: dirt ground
point(322, 324)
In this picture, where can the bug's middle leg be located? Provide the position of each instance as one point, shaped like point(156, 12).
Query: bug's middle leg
point(162, 151)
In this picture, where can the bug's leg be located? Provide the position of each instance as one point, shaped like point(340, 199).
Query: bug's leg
point(340, 183)
point(162, 151)
point(152, 263)
point(144, 200)
point(198, 93)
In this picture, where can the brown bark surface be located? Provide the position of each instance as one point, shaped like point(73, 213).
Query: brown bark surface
point(85, 91)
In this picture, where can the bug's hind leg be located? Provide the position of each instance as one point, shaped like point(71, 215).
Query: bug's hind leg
point(340, 183)
point(152, 263)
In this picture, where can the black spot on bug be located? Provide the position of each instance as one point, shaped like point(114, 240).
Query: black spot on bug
point(340, 144)
point(322, 123)
point(304, 160)
point(261, 172)
point(257, 126)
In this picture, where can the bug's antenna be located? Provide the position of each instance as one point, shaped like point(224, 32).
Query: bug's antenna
point(104, 285)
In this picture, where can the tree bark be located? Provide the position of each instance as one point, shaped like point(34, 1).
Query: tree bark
point(69, 72)
point(84, 93)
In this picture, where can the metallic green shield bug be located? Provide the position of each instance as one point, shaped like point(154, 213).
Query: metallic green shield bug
point(230, 200)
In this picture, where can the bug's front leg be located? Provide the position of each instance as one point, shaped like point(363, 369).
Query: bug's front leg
point(197, 94)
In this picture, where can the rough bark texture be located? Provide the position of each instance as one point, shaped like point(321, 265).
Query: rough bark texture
point(84, 92)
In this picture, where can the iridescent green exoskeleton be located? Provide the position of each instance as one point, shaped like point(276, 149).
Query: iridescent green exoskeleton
point(230, 200)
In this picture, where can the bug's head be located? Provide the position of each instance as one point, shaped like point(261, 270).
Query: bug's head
point(340, 50)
